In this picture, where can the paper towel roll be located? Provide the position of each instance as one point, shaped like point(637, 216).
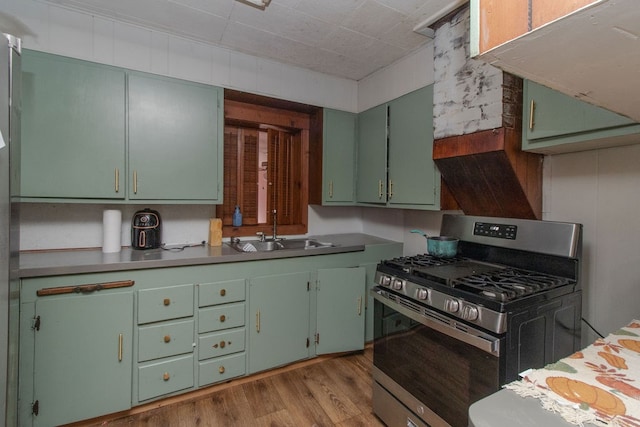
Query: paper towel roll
point(111, 230)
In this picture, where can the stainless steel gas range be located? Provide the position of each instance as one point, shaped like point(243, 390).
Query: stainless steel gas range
point(448, 332)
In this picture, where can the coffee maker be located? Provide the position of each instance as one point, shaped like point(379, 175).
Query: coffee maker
point(146, 230)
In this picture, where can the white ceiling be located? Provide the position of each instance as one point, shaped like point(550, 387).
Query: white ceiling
point(346, 38)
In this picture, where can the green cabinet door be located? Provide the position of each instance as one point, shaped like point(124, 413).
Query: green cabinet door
point(73, 128)
point(412, 173)
point(340, 310)
point(339, 157)
point(371, 184)
point(552, 119)
point(174, 134)
point(83, 356)
point(278, 320)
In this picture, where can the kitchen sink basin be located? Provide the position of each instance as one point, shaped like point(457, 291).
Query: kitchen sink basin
point(277, 245)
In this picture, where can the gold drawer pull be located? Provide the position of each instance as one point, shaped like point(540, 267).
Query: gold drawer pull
point(120, 339)
point(221, 369)
point(135, 182)
point(223, 318)
point(222, 344)
point(167, 338)
point(223, 292)
point(166, 301)
point(117, 179)
point(532, 108)
point(166, 376)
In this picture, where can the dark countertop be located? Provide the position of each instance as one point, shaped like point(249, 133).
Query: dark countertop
point(63, 262)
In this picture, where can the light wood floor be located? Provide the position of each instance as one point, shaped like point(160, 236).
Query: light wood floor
point(330, 391)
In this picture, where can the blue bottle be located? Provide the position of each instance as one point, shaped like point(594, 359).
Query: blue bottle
point(237, 217)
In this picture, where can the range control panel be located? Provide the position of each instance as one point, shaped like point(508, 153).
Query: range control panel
point(499, 231)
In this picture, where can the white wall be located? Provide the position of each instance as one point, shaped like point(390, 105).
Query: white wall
point(62, 31)
point(601, 190)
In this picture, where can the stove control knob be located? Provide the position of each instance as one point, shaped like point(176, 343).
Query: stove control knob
point(397, 284)
point(451, 305)
point(470, 312)
point(385, 280)
point(422, 294)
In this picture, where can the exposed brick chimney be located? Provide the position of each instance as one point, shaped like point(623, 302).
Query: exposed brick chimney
point(478, 131)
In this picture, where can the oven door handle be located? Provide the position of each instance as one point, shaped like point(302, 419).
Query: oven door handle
point(471, 336)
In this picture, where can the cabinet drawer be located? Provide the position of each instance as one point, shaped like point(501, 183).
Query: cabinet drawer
point(221, 317)
point(168, 339)
point(221, 369)
point(221, 292)
point(157, 379)
point(171, 302)
point(221, 343)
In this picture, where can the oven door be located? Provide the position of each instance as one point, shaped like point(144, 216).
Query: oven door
point(432, 364)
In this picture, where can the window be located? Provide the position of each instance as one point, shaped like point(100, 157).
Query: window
point(266, 167)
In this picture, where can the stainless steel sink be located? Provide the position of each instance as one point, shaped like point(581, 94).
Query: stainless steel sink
point(277, 245)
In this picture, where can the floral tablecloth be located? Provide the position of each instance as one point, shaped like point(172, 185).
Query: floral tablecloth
point(599, 384)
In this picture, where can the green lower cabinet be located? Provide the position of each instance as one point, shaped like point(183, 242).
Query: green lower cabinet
point(83, 356)
point(340, 310)
point(370, 269)
point(221, 369)
point(166, 376)
point(165, 339)
point(279, 312)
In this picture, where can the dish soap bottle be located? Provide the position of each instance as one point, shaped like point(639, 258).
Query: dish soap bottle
point(237, 217)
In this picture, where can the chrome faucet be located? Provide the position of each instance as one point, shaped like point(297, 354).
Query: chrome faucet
point(275, 225)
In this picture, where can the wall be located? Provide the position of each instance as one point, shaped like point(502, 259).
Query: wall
point(61, 31)
point(599, 189)
point(58, 30)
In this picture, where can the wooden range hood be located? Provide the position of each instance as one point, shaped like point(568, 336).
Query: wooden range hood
point(489, 175)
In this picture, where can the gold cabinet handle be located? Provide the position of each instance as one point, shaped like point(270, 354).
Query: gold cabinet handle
point(166, 301)
point(117, 179)
point(221, 369)
point(223, 318)
point(167, 338)
point(223, 344)
point(258, 321)
point(120, 341)
point(166, 376)
point(331, 189)
point(223, 292)
point(359, 306)
point(532, 108)
point(390, 189)
point(135, 182)
point(379, 189)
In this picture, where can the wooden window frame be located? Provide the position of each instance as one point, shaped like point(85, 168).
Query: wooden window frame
point(243, 114)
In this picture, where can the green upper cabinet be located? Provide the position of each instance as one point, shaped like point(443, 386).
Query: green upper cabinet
point(372, 156)
point(339, 157)
point(413, 177)
point(555, 123)
point(73, 128)
point(95, 132)
point(398, 170)
point(173, 139)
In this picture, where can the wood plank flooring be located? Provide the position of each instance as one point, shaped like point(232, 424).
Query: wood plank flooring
point(329, 391)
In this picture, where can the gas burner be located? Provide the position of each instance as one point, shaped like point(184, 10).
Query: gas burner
point(509, 284)
point(409, 263)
